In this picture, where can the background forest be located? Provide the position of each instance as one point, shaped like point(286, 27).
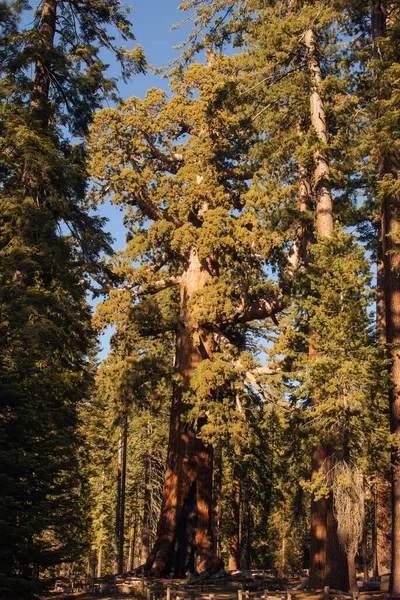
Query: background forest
point(248, 412)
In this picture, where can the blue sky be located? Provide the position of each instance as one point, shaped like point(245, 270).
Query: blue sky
point(152, 21)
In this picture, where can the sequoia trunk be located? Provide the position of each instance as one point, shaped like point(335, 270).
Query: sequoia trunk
point(184, 539)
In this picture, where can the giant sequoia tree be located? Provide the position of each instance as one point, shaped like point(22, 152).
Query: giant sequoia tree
point(179, 167)
point(48, 245)
point(299, 82)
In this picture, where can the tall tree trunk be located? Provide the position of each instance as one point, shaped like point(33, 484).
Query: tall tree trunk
point(328, 560)
point(99, 561)
point(383, 525)
point(337, 575)
point(42, 76)
point(40, 106)
point(117, 528)
point(133, 533)
point(146, 511)
point(234, 549)
point(319, 533)
point(184, 540)
point(120, 500)
point(121, 536)
point(390, 239)
point(248, 536)
point(217, 507)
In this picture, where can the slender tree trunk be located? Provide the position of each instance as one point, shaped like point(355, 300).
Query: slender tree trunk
point(39, 104)
point(120, 500)
point(99, 561)
point(217, 507)
point(364, 556)
point(121, 536)
point(328, 563)
point(117, 529)
point(184, 539)
point(248, 537)
point(390, 239)
point(318, 121)
point(42, 76)
point(133, 534)
point(234, 550)
point(146, 512)
point(375, 571)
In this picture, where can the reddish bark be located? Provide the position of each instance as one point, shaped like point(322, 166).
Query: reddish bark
point(318, 525)
point(184, 537)
point(234, 550)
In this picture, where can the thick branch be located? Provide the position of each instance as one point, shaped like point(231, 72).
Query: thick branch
point(171, 160)
point(154, 288)
point(264, 309)
point(151, 289)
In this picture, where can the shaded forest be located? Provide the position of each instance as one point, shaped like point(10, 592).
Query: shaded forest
point(247, 415)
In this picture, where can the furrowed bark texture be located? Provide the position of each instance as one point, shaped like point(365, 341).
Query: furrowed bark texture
point(184, 538)
point(328, 564)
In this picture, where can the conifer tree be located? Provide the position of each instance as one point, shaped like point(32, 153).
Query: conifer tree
point(292, 57)
point(49, 246)
point(180, 168)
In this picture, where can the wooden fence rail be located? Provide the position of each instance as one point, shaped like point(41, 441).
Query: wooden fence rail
point(325, 594)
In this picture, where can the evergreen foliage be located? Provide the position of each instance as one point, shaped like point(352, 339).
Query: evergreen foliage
point(256, 196)
point(52, 81)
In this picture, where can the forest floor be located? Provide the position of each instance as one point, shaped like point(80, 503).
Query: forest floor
point(221, 590)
